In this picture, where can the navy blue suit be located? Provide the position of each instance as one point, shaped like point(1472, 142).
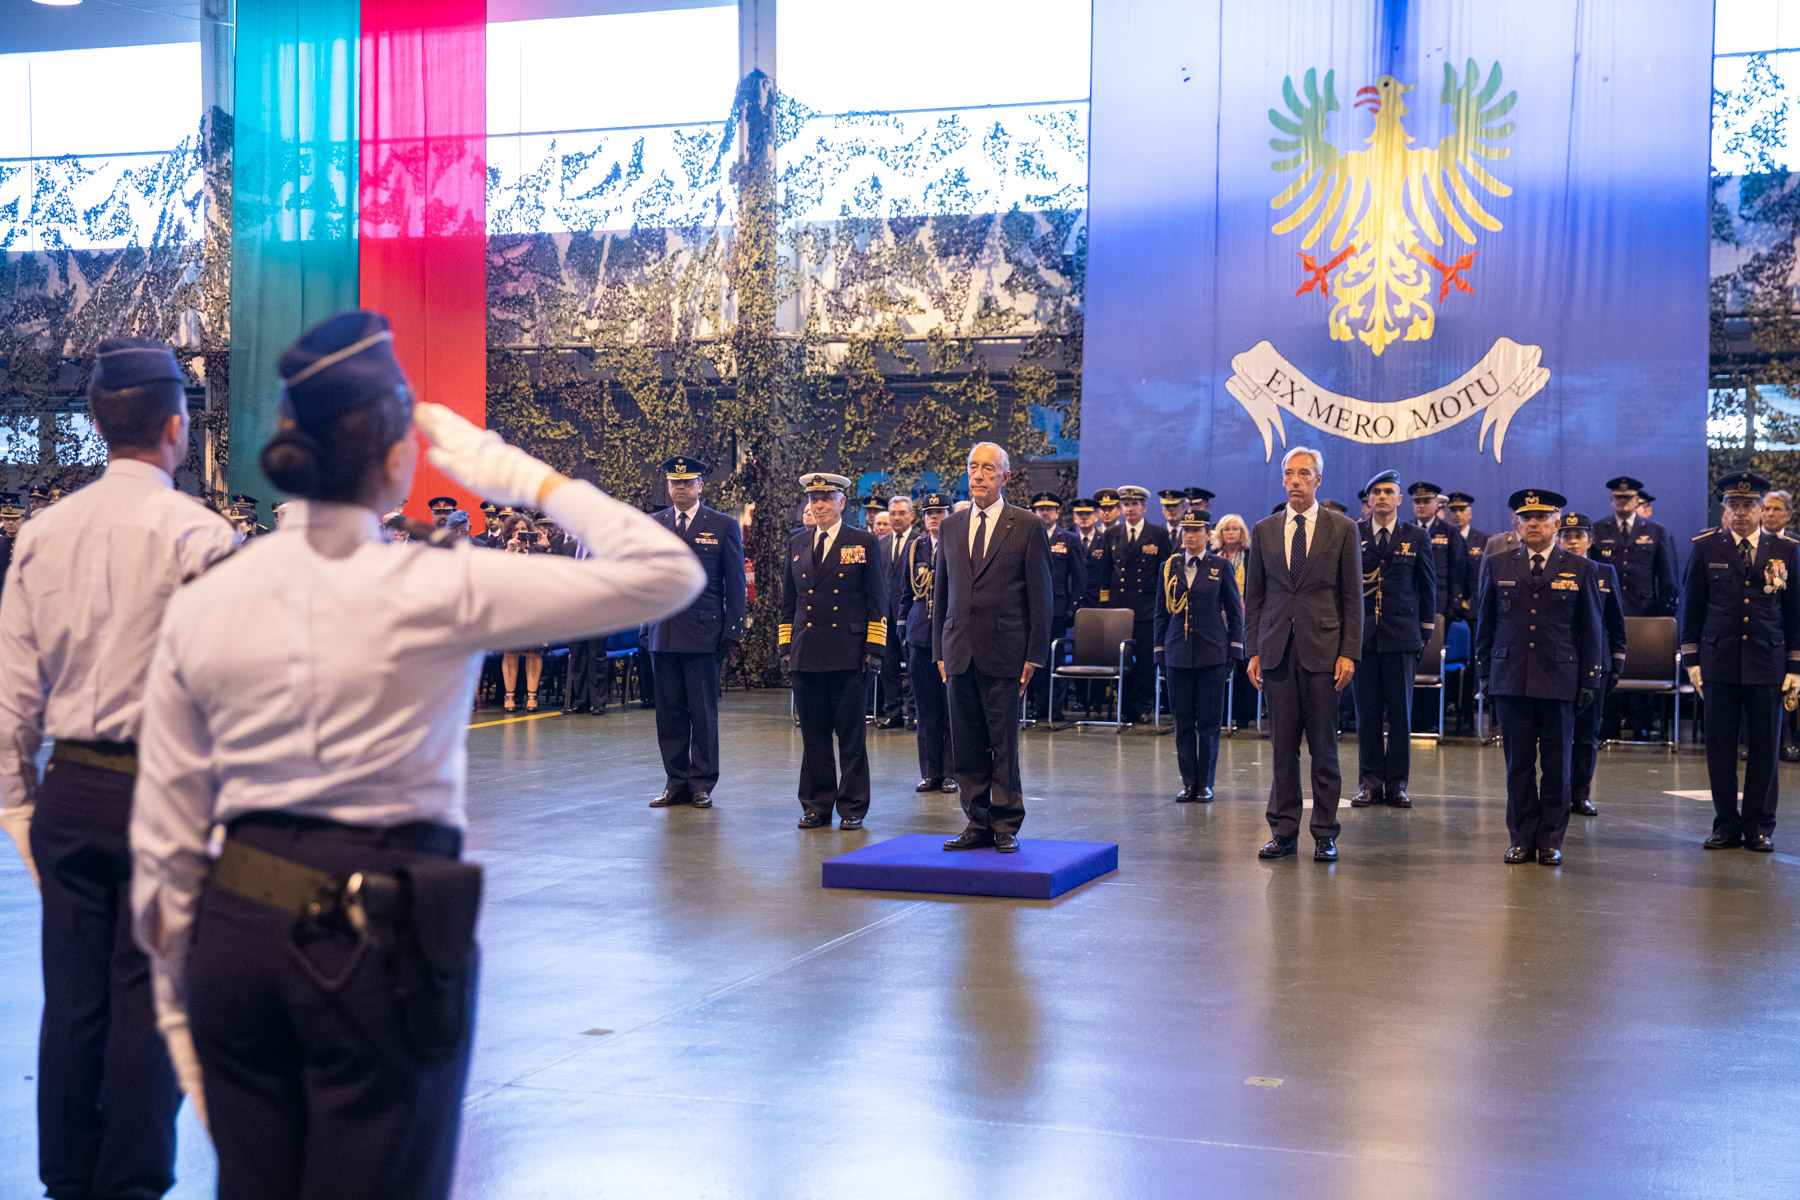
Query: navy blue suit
point(1199, 630)
point(832, 615)
point(1538, 642)
point(1741, 627)
point(1400, 600)
point(685, 650)
point(1586, 750)
point(929, 697)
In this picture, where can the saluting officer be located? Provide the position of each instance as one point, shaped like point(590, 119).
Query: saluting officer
point(833, 632)
point(1576, 537)
point(1199, 631)
point(1135, 553)
point(687, 647)
point(1449, 553)
point(1538, 650)
point(91, 579)
point(930, 698)
point(1174, 507)
point(1092, 537)
point(1068, 582)
point(1399, 603)
point(1740, 638)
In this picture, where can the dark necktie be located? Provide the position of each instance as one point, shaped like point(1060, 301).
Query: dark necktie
point(1193, 564)
point(980, 537)
point(1537, 567)
point(1381, 541)
point(1745, 554)
point(1297, 558)
point(819, 552)
point(681, 524)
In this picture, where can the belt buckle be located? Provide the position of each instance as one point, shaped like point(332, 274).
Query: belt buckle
point(352, 902)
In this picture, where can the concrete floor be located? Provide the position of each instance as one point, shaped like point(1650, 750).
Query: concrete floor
point(672, 1007)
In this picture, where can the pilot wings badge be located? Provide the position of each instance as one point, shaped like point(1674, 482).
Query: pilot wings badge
point(1377, 208)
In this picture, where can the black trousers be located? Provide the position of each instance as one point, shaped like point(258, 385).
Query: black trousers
point(984, 746)
point(896, 698)
point(590, 676)
point(1140, 680)
point(830, 703)
point(687, 718)
point(931, 697)
point(1584, 752)
point(1536, 734)
point(1197, 698)
point(1755, 711)
point(1302, 702)
point(317, 1095)
point(1383, 685)
point(106, 1092)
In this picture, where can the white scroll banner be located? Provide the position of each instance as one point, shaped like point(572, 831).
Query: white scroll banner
point(1265, 383)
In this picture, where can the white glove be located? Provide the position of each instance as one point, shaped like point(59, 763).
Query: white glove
point(1790, 687)
point(1694, 678)
point(180, 1039)
point(479, 460)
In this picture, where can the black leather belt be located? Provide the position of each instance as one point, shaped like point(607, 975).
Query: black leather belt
point(276, 881)
point(107, 756)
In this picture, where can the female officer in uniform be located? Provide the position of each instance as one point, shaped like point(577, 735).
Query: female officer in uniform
point(324, 962)
point(1199, 630)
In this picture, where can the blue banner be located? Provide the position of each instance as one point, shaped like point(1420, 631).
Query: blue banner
point(1464, 240)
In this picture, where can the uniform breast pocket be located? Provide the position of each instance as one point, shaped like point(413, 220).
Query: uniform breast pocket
point(1505, 602)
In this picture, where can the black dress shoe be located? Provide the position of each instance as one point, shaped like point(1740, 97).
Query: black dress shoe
point(1206, 793)
point(970, 839)
point(1186, 796)
point(1521, 854)
point(702, 800)
point(929, 785)
point(1759, 842)
point(1723, 841)
point(1399, 799)
point(1550, 858)
point(851, 823)
point(949, 786)
point(668, 799)
point(1006, 843)
point(814, 820)
point(1583, 806)
point(1325, 850)
point(1279, 847)
point(1365, 797)
point(890, 723)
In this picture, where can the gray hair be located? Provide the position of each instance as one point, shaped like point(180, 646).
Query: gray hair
point(1786, 497)
point(896, 501)
point(997, 448)
point(1318, 458)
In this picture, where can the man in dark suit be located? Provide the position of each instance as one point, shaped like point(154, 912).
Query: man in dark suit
point(929, 698)
point(895, 695)
point(1449, 553)
point(990, 634)
point(1135, 553)
point(1399, 603)
point(832, 635)
point(1740, 637)
point(1643, 554)
point(686, 648)
point(1303, 626)
point(1068, 580)
point(1538, 644)
point(1576, 535)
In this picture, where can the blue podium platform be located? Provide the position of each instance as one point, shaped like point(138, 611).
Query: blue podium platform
point(917, 862)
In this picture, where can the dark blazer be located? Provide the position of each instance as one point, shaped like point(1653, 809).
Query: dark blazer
point(1645, 562)
point(1324, 613)
point(1093, 562)
point(916, 576)
point(1130, 574)
point(1068, 578)
point(1399, 589)
point(717, 614)
point(898, 593)
point(1202, 625)
point(1612, 619)
point(995, 614)
point(832, 617)
point(1544, 641)
point(1732, 641)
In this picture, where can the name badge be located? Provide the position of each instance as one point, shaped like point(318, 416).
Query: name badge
point(1718, 566)
point(851, 554)
point(1507, 582)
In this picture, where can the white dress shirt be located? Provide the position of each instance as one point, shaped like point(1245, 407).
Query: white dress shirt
point(993, 521)
point(1755, 545)
point(830, 539)
point(1375, 528)
point(1287, 530)
point(89, 581)
point(324, 671)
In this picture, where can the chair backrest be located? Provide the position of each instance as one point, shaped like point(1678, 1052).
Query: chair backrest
point(1457, 643)
point(1428, 657)
point(1650, 649)
point(1098, 632)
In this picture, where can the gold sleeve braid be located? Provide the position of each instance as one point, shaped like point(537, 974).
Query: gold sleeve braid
point(784, 635)
point(878, 632)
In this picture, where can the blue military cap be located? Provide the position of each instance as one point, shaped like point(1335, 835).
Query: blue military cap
point(823, 481)
point(874, 503)
point(1107, 498)
point(1199, 494)
point(1459, 499)
point(1535, 500)
point(1420, 488)
point(1743, 485)
point(341, 364)
point(934, 502)
point(122, 362)
point(1195, 520)
point(1392, 477)
point(682, 467)
point(1046, 500)
point(10, 506)
point(1336, 506)
point(1172, 495)
point(1576, 523)
point(244, 500)
point(1646, 497)
point(1084, 505)
point(1625, 485)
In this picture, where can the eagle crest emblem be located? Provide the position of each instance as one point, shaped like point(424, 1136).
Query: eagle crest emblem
point(1377, 210)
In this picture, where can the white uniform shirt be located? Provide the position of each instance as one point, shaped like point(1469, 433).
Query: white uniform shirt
point(89, 581)
point(1288, 517)
point(327, 672)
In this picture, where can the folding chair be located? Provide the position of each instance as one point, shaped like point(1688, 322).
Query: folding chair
point(1652, 667)
point(1102, 647)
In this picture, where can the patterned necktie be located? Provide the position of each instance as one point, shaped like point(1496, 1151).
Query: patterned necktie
point(1297, 558)
point(1746, 554)
point(980, 536)
point(819, 551)
point(681, 524)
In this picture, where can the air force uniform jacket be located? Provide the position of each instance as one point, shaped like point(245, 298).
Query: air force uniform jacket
point(1449, 558)
point(917, 580)
point(1202, 624)
point(1542, 640)
point(1399, 589)
point(1742, 626)
point(1093, 561)
point(833, 615)
point(718, 613)
point(1645, 561)
point(1068, 578)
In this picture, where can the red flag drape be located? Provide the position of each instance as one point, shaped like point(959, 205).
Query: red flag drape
point(422, 219)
